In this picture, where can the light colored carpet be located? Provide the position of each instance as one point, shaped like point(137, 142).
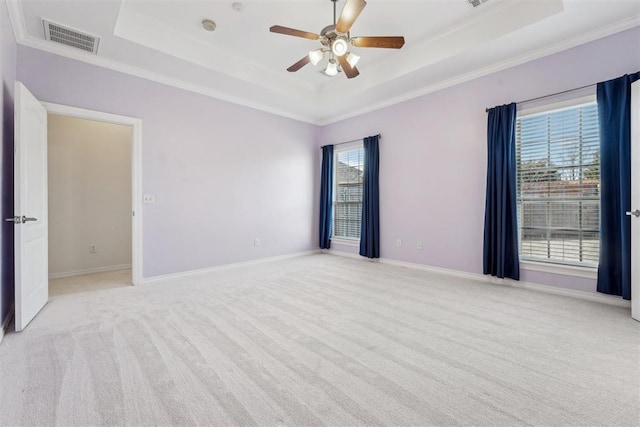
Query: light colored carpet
point(322, 340)
point(90, 282)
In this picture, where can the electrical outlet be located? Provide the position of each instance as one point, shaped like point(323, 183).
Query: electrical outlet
point(148, 199)
point(398, 242)
point(92, 249)
point(256, 242)
point(419, 244)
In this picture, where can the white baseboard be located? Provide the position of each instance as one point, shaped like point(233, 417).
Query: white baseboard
point(589, 296)
point(89, 271)
point(6, 322)
point(354, 255)
point(227, 266)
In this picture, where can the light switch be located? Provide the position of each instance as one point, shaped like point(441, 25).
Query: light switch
point(148, 199)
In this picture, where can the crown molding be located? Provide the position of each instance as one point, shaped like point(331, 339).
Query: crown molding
point(617, 27)
point(16, 16)
point(19, 28)
point(17, 20)
point(158, 78)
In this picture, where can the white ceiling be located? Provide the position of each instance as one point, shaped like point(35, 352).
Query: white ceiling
point(447, 41)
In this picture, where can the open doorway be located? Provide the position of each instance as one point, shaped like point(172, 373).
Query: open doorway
point(90, 197)
point(95, 221)
point(31, 198)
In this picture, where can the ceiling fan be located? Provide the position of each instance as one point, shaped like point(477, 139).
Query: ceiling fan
point(336, 39)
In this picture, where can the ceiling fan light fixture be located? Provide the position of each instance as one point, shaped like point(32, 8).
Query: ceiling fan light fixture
point(352, 59)
point(332, 68)
point(339, 46)
point(336, 40)
point(316, 56)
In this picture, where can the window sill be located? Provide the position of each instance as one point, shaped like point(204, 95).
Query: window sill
point(565, 270)
point(345, 242)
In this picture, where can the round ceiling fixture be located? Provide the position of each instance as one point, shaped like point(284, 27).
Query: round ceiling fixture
point(339, 46)
point(208, 25)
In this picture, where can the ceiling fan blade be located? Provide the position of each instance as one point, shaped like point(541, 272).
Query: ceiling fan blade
point(381, 42)
point(349, 71)
point(293, 32)
point(295, 67)
point(349, 15)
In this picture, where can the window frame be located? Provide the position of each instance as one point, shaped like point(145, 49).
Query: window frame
point(348, 241)
point(554, 266)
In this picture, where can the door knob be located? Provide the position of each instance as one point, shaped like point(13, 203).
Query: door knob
point(635, 213)
point(20, 220)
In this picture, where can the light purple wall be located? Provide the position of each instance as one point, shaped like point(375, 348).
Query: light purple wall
point(433, 154)
point(7, 78)
point(222, 174)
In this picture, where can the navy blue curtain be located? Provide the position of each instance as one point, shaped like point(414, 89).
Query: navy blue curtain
point(370, 227)
point(500, 251)
point(614, 115)
point(326, 197)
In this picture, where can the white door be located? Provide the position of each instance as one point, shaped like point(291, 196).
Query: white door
point(635, 200)
point(30, 210)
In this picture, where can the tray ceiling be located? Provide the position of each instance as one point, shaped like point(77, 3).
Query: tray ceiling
point(447, 41)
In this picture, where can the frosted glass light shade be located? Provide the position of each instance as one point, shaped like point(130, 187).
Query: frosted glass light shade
point(332, 68)
point(352, 59)
point(316, 56)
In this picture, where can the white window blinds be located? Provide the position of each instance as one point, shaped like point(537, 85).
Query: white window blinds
point(349, 166)
point(558, 185)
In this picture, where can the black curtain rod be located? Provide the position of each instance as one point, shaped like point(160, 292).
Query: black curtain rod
point(548, 96)
point(348, 142)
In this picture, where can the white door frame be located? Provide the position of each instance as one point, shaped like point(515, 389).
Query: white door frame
point(136, 172)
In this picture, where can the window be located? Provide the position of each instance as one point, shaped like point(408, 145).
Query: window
point(347, 206)
point(558, 185)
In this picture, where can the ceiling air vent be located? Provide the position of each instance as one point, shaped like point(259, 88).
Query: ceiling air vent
point(476, 3)
point(70, 37)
